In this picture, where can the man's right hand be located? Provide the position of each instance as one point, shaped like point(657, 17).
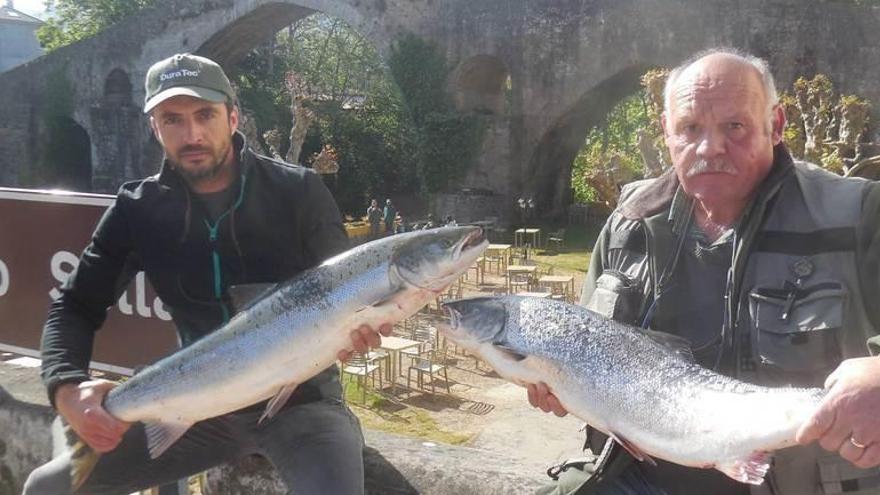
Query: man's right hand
point(541, 397)
point(81, 405)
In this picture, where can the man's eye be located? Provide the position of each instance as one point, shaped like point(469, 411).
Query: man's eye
point(170, 120)
point(735, 125)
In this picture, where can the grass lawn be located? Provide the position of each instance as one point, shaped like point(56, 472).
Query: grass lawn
point(574, 257)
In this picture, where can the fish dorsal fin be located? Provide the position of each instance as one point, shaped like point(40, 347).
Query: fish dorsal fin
point(277, 402)
point(633, 449)
point(160, 436)
point(676, 344)
point(244, 295)
point(509, 352)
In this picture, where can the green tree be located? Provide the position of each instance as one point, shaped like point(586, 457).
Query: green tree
point(74, 20)
point(610, 156)
point(358, 108)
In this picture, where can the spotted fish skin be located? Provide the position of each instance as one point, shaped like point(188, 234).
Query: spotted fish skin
point(632, 385)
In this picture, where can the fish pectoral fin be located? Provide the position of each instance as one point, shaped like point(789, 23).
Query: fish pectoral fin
point(246, 294)
point(277, 402)
point(161, 436)
point(751, 469)
point(509, 353)
point(633, 449)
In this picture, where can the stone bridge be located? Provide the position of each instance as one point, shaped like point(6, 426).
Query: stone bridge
point(565, 63)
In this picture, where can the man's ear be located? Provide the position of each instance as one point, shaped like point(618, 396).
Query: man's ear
point(777, 121)
point(155, 128)
point(233, 118)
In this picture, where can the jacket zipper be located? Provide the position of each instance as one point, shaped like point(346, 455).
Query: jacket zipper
point(213, 234)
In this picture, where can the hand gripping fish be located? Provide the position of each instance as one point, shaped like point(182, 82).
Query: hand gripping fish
point(633, 385)
point(290, 333)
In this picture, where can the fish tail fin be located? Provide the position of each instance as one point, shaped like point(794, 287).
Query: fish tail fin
point(82, 459)
point(751, 469)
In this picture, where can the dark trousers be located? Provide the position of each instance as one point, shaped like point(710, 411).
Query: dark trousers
point(317, 448)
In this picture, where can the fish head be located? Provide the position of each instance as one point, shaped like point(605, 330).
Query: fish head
point(475, 322)
point(435, 258)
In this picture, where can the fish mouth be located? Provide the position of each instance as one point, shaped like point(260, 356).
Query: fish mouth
point(454, 316)
point(471, 240)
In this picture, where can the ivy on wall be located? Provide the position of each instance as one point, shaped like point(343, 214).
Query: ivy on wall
point(448, 142)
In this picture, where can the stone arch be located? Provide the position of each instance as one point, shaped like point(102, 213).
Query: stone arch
point(231, 43)
point(117, 88)
point(547, 175)
point(68, 157)
point(480, 84)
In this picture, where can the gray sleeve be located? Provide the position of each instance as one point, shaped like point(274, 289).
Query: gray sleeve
point(597, 265)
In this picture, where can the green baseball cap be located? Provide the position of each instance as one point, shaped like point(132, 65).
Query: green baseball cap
point(186, 74)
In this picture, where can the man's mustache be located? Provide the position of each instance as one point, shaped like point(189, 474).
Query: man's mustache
point(193, 149)
point(708, 166)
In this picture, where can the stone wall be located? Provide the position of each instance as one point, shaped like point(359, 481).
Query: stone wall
point(545, 70)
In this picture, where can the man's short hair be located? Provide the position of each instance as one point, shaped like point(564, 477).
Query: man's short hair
point(758, 63)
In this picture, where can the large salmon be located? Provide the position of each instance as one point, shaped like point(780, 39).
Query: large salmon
point(639, 387)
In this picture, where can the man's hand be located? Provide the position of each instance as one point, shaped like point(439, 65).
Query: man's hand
point(363, 338)
point(81, 405)
point(541, 397)
point(848, 421)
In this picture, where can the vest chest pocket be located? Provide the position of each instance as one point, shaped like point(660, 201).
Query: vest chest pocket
point(796, 329)
point(617, 296)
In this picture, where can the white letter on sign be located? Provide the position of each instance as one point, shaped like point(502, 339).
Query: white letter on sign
point(60, 259)
point(4, 278)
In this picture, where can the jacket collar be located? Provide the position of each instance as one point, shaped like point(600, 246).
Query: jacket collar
point(169, 177)
point(657, 196)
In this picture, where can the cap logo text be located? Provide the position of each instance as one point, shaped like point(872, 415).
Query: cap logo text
point(178, 73)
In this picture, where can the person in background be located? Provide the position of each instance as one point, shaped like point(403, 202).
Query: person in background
point(389, 215)
point(374, 217)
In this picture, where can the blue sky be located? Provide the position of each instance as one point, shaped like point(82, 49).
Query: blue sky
point(35, 8)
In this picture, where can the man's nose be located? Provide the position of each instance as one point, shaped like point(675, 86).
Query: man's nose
point(193, 133)
point(712, 143)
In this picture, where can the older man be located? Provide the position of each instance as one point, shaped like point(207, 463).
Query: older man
point(769, 267)
point(216, 215)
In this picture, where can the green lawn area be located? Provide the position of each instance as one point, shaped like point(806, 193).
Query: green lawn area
point(574, 258)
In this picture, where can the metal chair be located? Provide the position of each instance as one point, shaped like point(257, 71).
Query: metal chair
point(557, 239)
point(423, 364)
point(362, 367)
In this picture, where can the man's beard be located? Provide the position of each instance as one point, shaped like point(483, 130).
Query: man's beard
point(701, 166)
point(202, 173)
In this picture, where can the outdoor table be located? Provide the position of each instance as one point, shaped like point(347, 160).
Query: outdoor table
point(502, 250)
point(565, 284)
point(394, 345)
point(520, 235)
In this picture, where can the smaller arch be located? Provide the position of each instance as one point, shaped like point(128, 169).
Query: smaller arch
point(117, 87)
point(480, 84)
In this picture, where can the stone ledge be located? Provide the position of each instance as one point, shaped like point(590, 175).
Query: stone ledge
point(393, 465)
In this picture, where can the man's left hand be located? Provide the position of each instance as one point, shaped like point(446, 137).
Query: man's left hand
point(847, 421)
point(363, 338)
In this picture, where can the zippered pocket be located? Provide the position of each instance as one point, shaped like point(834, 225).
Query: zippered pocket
point(796, 329)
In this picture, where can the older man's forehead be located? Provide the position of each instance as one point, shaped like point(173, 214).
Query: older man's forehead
point(738, 84)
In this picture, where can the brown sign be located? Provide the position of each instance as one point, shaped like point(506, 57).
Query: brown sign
point(42, 234)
